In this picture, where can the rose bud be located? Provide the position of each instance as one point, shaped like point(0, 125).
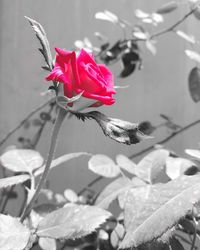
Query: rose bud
point(118, 130)
point(80, 74)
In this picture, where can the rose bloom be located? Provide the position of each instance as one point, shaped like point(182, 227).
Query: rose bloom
point(79, 73)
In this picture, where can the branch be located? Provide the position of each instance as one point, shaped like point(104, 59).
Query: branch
point(171, 28)
point(60, 118)
point(24, 121)
point(165, 139)
point(90, 184)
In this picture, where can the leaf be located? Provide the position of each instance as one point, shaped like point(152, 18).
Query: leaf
point(165, 117)
point(112, 190)
point(117, 235)
point(48, 193)
point(103, 235)
point(194, 153)
point(146, 127)
point(47, 243)
point(40, 211)
point(60, 199)
point(70, 195)
point(119, 229)
point(13, 234)
point(104, 166)
point(107, 16)
point(87, 43)
point(193, 55)
point(176, 167)
point(167, 8)
point(125, 163)
point(166, 203)
point(147, 20)
point(194, 84)
point(140, 195)
point(157, 18)
point(185, 36)
point(152, 167)
point(140, 35)
point(113, 53)
point(175, 244)
point(129, 60)
point(141, 14)
point(136, 183)
point(72, 221)
point(128, 70)
point(105, 46)
point(187, 225)
point(111, 15)
point(45, 208)
point(34, 219)
point(22, 160)
point(13, 180)
point(58, 161)
point(151, 47)
point(79, 44)
point(41, 35)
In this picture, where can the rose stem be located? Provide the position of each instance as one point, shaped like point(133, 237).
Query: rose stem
point(61, 115)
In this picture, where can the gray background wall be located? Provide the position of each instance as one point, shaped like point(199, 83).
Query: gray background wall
point(161, 87)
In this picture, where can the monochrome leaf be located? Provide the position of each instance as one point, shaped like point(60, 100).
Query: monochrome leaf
point(21, 160)
point(41, 35)
point(13, 180)
point(165, 203)
point(72, 221)
point(13, 234)
point(152, 167)
point(104, 166)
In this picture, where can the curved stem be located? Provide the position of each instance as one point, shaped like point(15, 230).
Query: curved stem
point(171, 28)
point(61, 115)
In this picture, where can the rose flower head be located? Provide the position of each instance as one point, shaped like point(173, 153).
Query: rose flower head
point(79, 73)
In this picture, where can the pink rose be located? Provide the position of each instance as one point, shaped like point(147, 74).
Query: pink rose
point(80, 73)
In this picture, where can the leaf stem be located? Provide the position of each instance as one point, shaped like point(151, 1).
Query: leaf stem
point(60, 118)
point(171, 28)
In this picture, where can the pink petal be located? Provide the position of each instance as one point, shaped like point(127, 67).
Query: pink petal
point(66, 55)
point(85, 57)
point(107, 75)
